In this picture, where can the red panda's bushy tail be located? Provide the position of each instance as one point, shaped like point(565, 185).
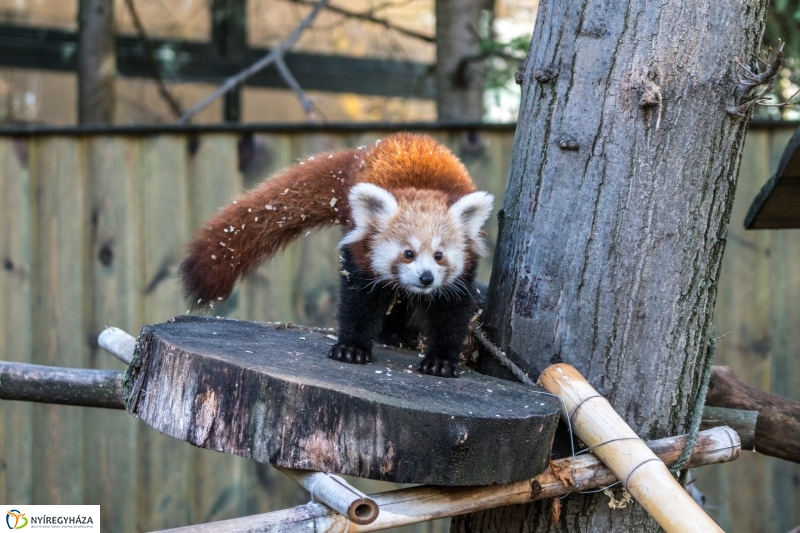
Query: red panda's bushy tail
point(259, 223)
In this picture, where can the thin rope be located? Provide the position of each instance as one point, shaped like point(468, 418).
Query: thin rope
point(697, 412)
point(497, 353)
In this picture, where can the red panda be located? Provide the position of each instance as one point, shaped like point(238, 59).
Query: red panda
point(412, 238)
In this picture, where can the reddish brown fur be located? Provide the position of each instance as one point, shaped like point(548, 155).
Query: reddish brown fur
point(300, 200)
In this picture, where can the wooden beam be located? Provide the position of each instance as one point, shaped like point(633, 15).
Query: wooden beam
point(420, 504)
point(97, 62)
point(741, 421)
point(195, 61)
point(778, 425)
point(59, 385)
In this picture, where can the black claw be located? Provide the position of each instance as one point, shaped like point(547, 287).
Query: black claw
point(435, 366)
point(348, 353)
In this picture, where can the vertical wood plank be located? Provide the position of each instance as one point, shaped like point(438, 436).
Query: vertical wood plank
point(267, 293)
point(213, 180)
point(15, 316)
point(784, 350)
point(112, 293)
point(486, 156)
point(164, 465)
point(746, 306)
point(59, 228)
point(317, 287)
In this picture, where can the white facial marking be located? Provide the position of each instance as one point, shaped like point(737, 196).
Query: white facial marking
point(384, 256)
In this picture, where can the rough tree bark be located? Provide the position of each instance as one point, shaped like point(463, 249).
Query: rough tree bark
point(615, 214)
point(459, 70)
point(97, 62)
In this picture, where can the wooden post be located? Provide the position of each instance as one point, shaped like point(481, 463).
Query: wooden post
point(97, 62)
point(459, 73)
point(229, 35)
point(777, 428)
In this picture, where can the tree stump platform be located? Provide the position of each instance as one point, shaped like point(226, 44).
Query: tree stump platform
point(269, 393)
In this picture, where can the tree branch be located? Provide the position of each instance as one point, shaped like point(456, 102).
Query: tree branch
point(155, 70)
point(778, 423)
point(370, 17)
point(305, 101)
point(66, 386)
point(259, 65)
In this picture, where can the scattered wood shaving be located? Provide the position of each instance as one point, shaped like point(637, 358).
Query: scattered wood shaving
point(614, 503)
point(563, 471)
point(556, 512)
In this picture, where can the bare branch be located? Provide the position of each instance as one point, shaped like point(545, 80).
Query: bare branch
point(66, 386)
point(155, 70)
point(259, 65)
point(305, 101)
point(370, 17)
point(750, 78)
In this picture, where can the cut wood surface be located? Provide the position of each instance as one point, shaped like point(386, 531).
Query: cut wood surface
point(421, 504)
point(271, 394)
point(778, 423)
point(641, 472)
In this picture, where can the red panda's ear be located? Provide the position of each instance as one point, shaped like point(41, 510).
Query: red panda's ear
point(369, 204)
point(472, 211)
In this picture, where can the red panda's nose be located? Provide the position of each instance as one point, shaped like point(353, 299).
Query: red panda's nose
point(426, 278)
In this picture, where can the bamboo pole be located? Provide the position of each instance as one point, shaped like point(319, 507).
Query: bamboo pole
point(641, 472)
point(336, 493)
point(118, 343)
point(421, 504)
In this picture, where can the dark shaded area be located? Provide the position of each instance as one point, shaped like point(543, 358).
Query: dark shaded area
point(194, 61)
point(777, 205)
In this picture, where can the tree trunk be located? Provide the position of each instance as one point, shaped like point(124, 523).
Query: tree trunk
point(615, 214)
point(97, 62)
point(459, 67)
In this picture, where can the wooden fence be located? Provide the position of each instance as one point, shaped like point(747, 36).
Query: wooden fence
point(92, 227)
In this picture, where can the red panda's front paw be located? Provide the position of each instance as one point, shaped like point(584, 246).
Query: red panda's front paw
point(349, 353)
point(436, 366)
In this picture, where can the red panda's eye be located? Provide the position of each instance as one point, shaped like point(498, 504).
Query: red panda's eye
point(438, 256)
point(408, 254)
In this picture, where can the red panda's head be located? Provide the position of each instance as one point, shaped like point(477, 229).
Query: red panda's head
point(416, 239)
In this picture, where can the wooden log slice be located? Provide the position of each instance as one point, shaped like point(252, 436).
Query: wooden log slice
point(271, 394)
